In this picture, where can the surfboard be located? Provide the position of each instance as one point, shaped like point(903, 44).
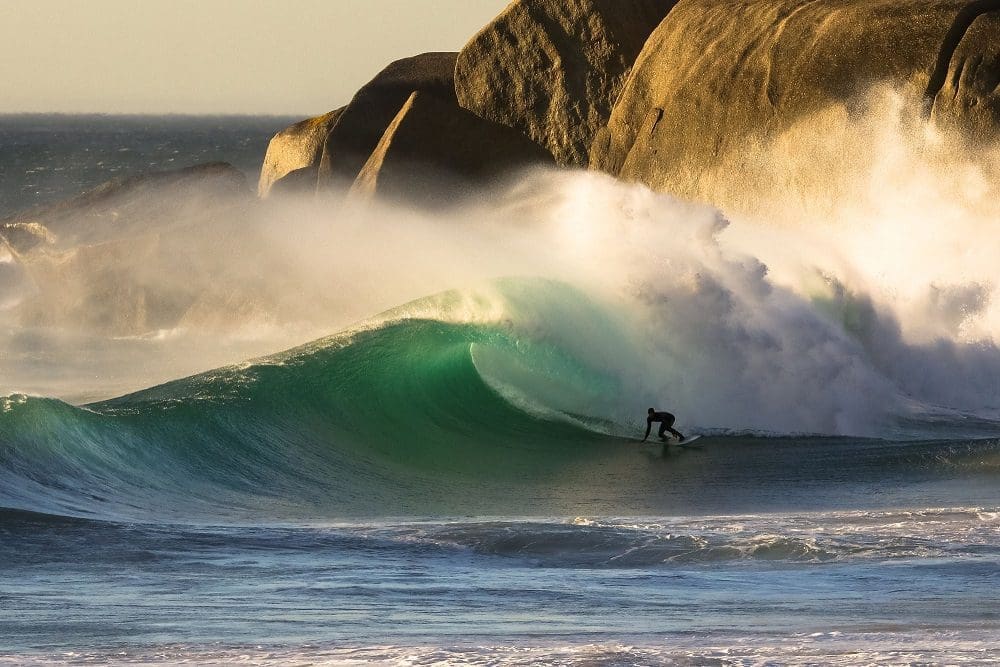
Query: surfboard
point(688, 440)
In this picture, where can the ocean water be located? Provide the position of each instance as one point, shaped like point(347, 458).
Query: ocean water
point(47, 158)
point(457, 477)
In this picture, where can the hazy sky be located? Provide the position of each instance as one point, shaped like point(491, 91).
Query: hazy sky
point(299, 57)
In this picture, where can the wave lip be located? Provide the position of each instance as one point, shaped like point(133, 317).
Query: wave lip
point(357, 420)
point(404, 416)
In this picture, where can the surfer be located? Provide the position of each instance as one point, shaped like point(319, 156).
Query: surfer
point(666, 424)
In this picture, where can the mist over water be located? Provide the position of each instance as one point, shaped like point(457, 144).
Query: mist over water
point(446, 466)
point(850, 305)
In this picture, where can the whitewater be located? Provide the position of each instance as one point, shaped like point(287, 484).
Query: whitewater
point(428, 452)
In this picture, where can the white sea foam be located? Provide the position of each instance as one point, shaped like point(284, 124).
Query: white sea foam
point(835, 310)
point(879, 647)
point(841, 536)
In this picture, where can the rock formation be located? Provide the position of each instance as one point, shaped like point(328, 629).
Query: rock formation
point(296, 149)
point(714, 86)
point(362, 123)
point(965, 96)
point(22, 237)
point(553, 68)
point(128, 206)
point(687, 96)
point(433, 149)
point(118, 259)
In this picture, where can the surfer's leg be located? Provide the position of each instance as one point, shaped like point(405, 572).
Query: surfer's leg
point(663, 429)
point(668, 425)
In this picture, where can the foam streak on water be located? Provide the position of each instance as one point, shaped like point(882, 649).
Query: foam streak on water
point(920, 648)
point(896, 586)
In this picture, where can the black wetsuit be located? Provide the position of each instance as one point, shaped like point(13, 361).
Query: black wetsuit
point(666, 423)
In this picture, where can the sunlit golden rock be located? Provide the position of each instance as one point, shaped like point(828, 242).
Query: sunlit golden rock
point(964, 90)
point(296, 150)
point(718, 82)
point(553, 68)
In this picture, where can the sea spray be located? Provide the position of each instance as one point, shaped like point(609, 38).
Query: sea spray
point(849, 305)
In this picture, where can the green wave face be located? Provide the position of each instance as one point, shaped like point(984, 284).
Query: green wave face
point(391, 416)
point(449, 406)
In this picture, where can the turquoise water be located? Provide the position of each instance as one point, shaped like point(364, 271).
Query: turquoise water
point(397, 420)
point(371, 497)
point(460, 480)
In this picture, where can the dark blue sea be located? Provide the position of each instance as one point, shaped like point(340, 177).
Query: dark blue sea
point(46, 158)
point(364, 434)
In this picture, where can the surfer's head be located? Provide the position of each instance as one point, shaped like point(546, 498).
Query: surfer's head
point(650, 411)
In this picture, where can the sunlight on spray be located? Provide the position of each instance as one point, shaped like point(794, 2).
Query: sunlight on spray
point(852, 292)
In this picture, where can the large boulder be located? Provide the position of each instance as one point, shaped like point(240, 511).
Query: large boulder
point(965, 84)
point(296, 150)
point(362, 123)
point(433, 151)
point(21, 237)
point(553, 68)
point(714, 87)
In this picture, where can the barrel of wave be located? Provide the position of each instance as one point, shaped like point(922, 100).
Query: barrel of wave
point(396, 402)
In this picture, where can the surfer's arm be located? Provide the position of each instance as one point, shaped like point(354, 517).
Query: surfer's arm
point(649, 426)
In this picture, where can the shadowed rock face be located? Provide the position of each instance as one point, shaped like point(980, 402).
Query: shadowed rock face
point(553, 68)
point(965, 95)
point(712, 85)
point(433, 150)
point(294, 149)
point(359, 128)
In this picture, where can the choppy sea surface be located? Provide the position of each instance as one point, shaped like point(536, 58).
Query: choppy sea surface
point(437, 490)
point(46, 158)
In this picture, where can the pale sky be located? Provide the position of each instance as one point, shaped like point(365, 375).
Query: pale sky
point(297, 57)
